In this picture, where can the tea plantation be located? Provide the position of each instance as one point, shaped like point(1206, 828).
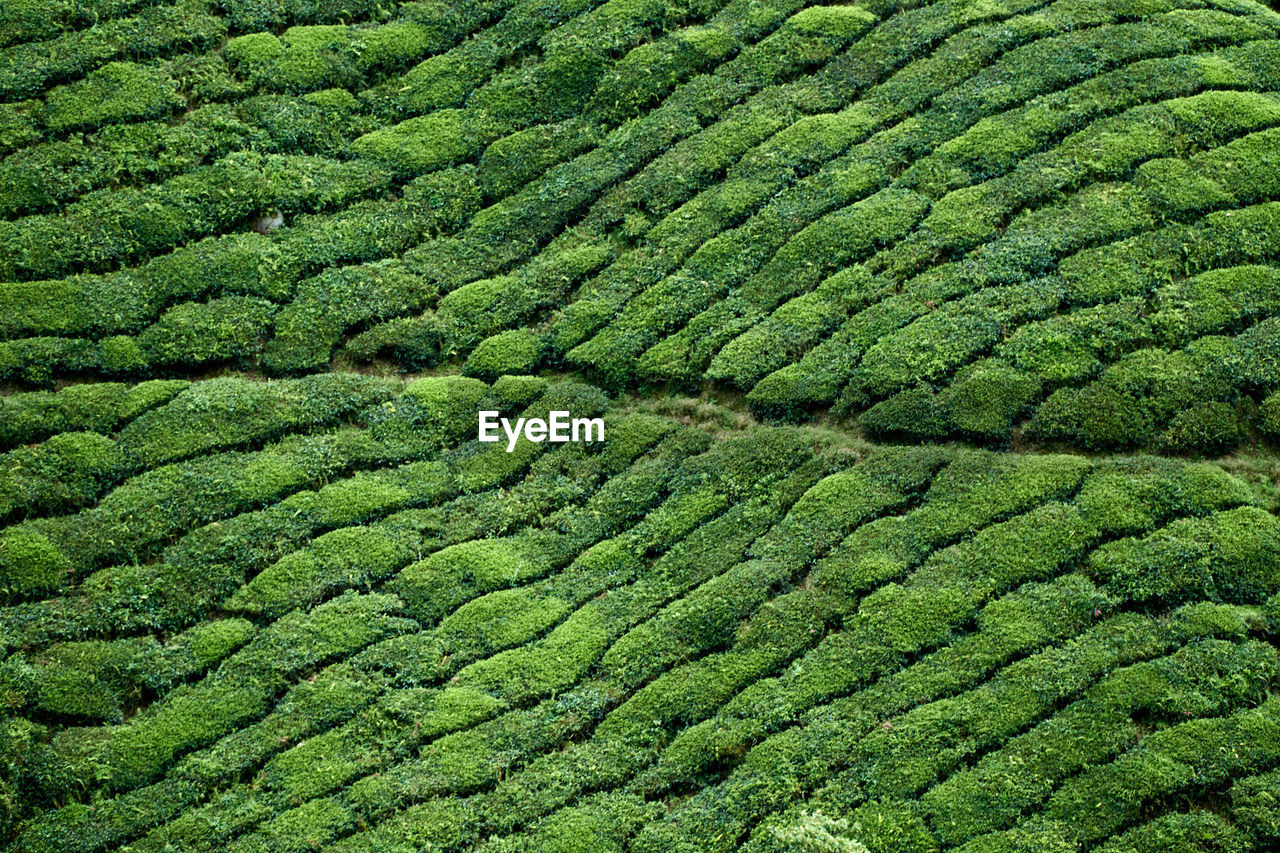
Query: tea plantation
point(938, 350)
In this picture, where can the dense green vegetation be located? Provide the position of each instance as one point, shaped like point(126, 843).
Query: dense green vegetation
point(880, 584)
point(275, 615)
point(1050, 221)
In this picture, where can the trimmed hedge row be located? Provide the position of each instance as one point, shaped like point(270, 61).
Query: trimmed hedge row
point(860, 649)
point(26, 68)
point(882, 104)
point(893, 548)
point(644, 651)
point(253, 613)
point(434, 413)
point(95, 679)
point(473, 304)
point(1098, 726)
point(693, 347)
point(94, 407)
point(359, 556)
point(901, 756)
point(107, 227)
point(505, 683)
point(1194, 755)
point(871, 331)
point(319, 122)
point(42, 19)
point(55, 172)
point(133, 519)
point(241, 264)
point(712, 465)
point(127, 359)
point(617, 753)
point(475, 693)
point(1073, 348)
point(307, 330)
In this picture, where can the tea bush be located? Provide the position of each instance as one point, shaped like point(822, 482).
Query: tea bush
point(875, 588)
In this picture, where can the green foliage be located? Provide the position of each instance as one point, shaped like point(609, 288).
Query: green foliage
point(197, 334)
point(1271, 414)
point(60, 475)
point(430, 142)
point(31, 564)
point(26, 68)
point(229, 412)
point(1211, 429)
point(511, 352)
point(303, 607)
point(116, 92)
point(516, 159)
point(1228, 556)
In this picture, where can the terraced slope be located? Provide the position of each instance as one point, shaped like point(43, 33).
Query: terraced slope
point(263, 590)
point(951, 219)
point(349, 624)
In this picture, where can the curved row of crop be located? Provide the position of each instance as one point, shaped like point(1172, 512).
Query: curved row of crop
point(135, 297)
point(766, 334)
point(596, 757)
point(225, 262)
point(294, 578)
point(488, 611)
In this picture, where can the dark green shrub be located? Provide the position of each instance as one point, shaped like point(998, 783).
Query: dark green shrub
point(1098, 417)
point(109, 226)
point(1271, 415)
point(98, 407)
point(512, 352)
point(33, 20)
point(1208, 429)
point(35, 361)
point(515, 160)
point(984, 400)
point(448, 403)
point(301, 59)
point(26, 68)
point(307, 329)
point(122, 355)
point(412, 342)
point(429, 142)
point(915, 412)
point(1254, 806)
point(1228, 556)
point(229, 412)
point(195, 334)
point(118, 91)
point(260, 15)
point(20, 124)
point(1073, 347)
point(63, 474)
point(29, 563)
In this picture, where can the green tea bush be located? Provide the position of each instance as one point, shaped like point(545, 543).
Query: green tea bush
point(96, 407)
point(60, 170)
point(229, 412)
point(107, 227)
point(26, 68)
point(61, 474)
point(301, 606)
point(255, 15)
point(1211, 429)
point(512, 352)
point(35, 20)
point(1098, 725)
point(116, 92)
point(516, 159)
point(197, 334)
